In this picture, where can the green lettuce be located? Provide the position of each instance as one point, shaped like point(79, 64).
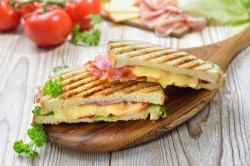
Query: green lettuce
point(234, 12)
point(158, 108)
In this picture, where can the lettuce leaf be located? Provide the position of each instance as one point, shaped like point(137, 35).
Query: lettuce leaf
point(233, 12)
point(161, 108)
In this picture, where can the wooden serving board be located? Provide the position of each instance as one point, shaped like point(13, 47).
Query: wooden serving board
point(183, 104)
point(137, 23)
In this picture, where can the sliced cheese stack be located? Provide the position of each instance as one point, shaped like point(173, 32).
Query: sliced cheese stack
point(121, 10)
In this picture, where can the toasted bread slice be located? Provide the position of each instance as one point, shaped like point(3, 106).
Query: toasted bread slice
point(127, 52)
point(81, 87)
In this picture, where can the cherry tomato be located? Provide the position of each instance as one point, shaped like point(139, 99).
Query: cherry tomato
point(9, 18)
point(48, 29)
point(79, 9)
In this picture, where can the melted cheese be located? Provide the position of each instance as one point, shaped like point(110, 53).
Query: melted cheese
point(89, 110)
point(165, 78)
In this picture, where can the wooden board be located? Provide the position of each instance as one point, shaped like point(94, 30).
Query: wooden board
point(137, 23)
point(183, 104)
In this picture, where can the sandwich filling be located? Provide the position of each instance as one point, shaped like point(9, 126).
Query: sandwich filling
point(102, 68)
point(115, 110)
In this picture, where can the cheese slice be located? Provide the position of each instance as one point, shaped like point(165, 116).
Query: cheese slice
point(89, 110)
point(165, 78)
point(117, 17)
point(122, 6)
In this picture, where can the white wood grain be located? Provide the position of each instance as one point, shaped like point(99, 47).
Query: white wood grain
point(219, 135)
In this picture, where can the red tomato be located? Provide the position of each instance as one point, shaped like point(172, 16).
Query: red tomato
point(29, 8)
point(79, 9)
point(9, 18)
point(48, 29)
point(26, 9)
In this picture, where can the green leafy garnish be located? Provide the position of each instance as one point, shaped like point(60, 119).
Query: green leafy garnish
point(59, 68)
point(91, 37)
point(37, 137)
point(38, 111)
point(161, 108)
point(95, 19)
point(53, 88)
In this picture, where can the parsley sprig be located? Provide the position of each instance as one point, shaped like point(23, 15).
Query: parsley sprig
point(53, 88)
point(91, 37)
point(59, 68)
point(37, 137)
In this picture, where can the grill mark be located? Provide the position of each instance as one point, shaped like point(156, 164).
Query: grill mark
point(185, 61)
point(159, 54)
point(120, 87)
point(79, 90)
point(79, 83)
point(153, 90)
point(130, 48)
point(171, 58)
point(73, 73)
point(137, 88)
point(96, 90)
point(143, 51)
point(196, 65)
point(75, 79)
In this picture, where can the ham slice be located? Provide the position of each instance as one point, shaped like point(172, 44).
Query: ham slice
point(164, 16)
point(102, 68)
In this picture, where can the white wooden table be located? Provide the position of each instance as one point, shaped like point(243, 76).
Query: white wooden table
point(219, 135)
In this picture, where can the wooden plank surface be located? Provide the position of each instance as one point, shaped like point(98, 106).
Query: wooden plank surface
point(219, 135)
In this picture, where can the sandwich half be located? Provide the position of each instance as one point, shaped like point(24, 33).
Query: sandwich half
point(136, 60)
point(86, 98)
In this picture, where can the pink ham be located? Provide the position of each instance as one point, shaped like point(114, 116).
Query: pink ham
point(164, 16)
point(102, 68)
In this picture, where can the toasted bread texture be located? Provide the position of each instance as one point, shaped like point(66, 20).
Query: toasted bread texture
point(81, 87)
point(50, 119)
point(127, 52)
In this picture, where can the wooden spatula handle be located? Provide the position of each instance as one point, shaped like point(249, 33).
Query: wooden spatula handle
point(224, 51)
point(238, 41)
point(230, 47)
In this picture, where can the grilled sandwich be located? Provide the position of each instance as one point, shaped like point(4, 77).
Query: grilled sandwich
point(137, 60)
point(86, 98)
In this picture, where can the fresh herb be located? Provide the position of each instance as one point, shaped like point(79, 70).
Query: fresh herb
point(53, 88)
point(59, 68)
point(95, 19)
point(38, 111)
point(91, 37)
point(37, 137)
